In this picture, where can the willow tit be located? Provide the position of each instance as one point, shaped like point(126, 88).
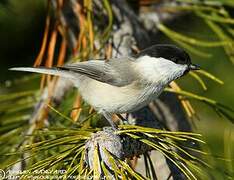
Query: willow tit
point(126, 84)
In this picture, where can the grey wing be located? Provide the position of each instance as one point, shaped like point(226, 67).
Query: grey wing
point(117, 72)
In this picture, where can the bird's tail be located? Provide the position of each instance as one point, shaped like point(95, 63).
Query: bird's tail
point(44, 70)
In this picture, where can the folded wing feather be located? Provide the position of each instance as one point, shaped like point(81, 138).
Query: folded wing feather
point(115, 71)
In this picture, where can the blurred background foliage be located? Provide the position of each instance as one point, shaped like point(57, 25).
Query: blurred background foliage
point(21, 31)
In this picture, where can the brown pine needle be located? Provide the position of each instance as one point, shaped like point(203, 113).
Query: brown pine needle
point(90, 25)
point(84, 46)
point(42, 83)
point(51, 48)
point(185, 103)
point(62, 52)
point(75, 114)
point(50, 57)
point(108, 51)
point(77, 9)
point(38, 60)
point(186, 108)
point(190, 107)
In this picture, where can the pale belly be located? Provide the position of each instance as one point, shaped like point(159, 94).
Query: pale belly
point(114, 99)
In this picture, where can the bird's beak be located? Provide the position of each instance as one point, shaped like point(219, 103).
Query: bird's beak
point(194, 67)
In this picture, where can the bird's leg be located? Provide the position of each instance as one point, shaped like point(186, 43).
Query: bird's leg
point(108, 116)
point(125, 121)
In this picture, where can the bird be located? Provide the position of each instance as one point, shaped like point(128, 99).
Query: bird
point(124, 84)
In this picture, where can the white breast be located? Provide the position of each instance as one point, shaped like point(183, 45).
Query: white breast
point(115, 99)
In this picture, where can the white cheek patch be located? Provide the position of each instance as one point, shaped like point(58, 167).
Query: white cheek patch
point(157, 69)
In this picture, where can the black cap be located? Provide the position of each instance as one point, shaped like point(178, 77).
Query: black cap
point(166, 51)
